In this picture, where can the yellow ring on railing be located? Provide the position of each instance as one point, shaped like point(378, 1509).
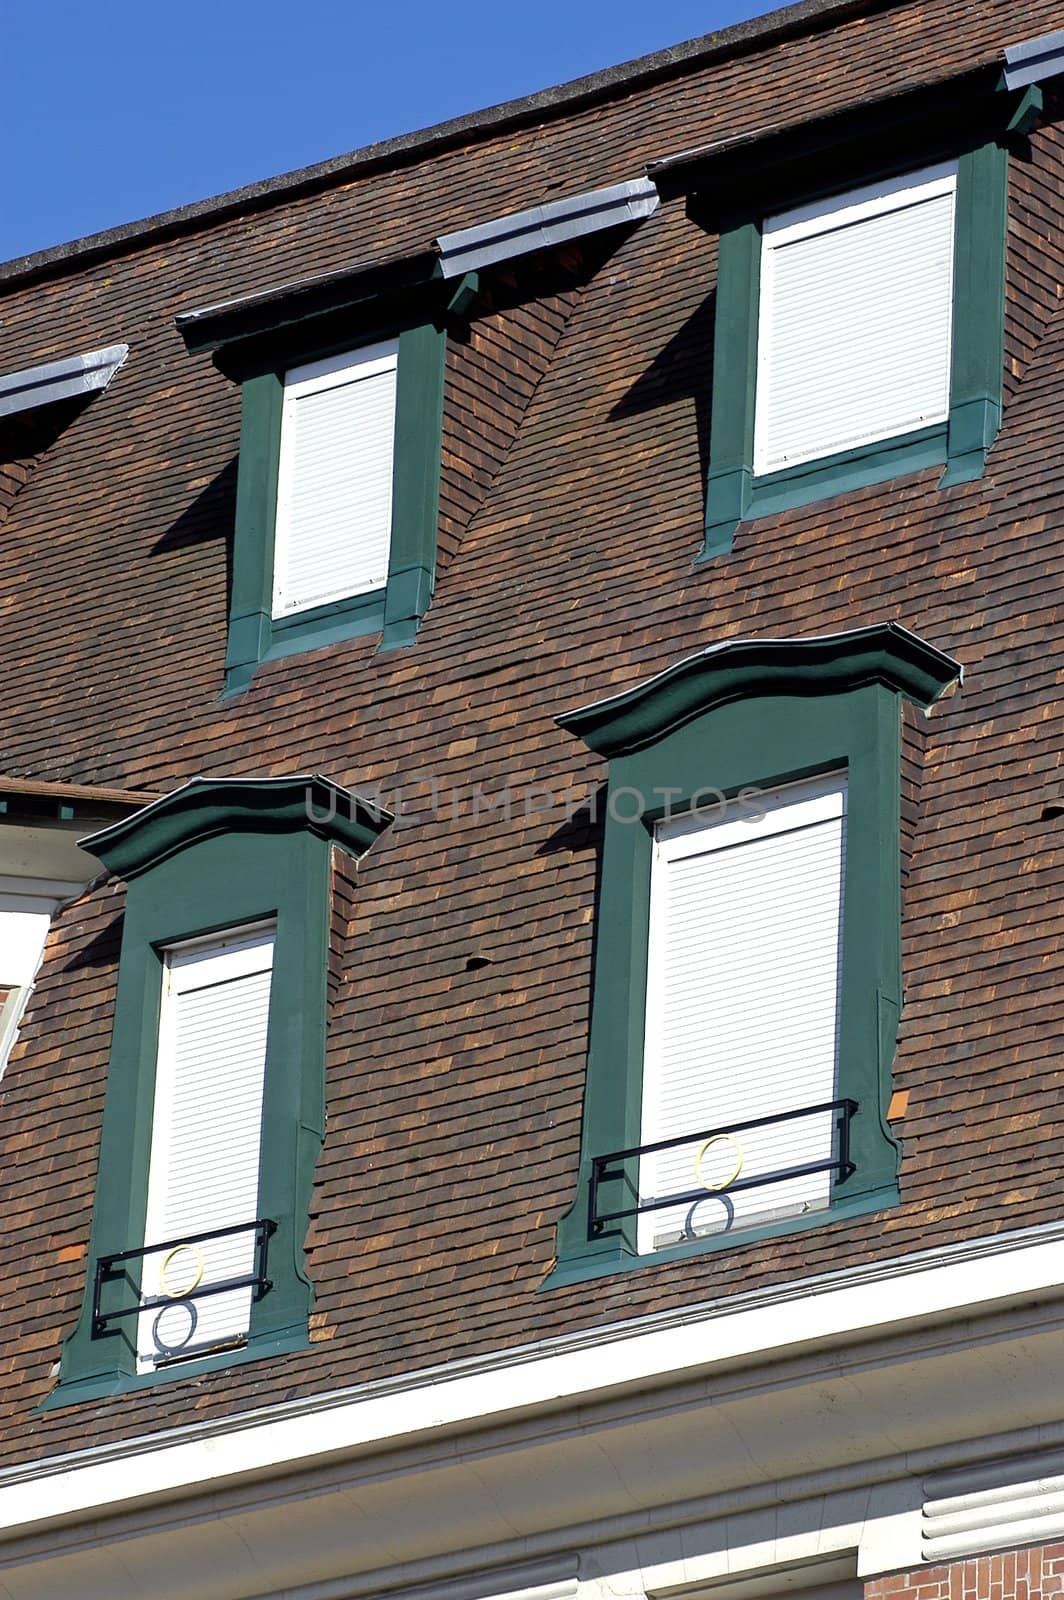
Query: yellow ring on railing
point(179, 1294)
point(718, 1188)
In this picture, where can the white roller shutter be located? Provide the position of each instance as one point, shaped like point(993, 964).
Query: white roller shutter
point(855, 324)
point(206, 1136)
point(334, 483)
point(742, 1004)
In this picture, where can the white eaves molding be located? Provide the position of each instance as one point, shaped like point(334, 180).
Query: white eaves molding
point(996, 1273)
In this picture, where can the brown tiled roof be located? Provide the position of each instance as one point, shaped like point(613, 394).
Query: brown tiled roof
point(577, 414)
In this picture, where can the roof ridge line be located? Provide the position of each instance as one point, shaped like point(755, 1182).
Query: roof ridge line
point(801, 17)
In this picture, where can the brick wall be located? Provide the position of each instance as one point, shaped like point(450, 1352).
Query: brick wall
point(1015, 1575)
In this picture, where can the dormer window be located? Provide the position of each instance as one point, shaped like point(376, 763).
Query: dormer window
point(337, 498)
point(342, 379)
point(747, 981)
point(215, 1105)
point(858, 337)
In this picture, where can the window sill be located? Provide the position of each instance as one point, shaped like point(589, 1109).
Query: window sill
point(612, 1255)
point(321, 625)
point(100, 1386)
point(816, 480)
point(312, 629)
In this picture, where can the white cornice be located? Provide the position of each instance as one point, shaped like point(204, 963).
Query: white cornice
point(833, 1309)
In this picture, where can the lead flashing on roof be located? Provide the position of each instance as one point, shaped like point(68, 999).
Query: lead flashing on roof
point(470, 249)
point(60, 380)
point(1034, 60)
point(885, 653)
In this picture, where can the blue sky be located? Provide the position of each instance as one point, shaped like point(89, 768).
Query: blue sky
point(115, 109)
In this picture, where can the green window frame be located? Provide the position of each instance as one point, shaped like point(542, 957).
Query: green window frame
point(395, 611)
point(750, 714)
point(212, 857)
point(734, 494)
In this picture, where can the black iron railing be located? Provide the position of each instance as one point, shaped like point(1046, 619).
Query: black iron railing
point(113, 1268)
point(610, 1167)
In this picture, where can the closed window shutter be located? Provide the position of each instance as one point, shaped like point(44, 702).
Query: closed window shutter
point(206, 1137)
point(855, 326)
point(334, 487)
point(742, 1005)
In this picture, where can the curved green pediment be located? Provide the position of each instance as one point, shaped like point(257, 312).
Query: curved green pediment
point(207, 807)
point(740, 669)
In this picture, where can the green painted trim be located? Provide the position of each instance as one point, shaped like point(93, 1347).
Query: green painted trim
point(396, 611)
point(734, 385)
point(251, 598)
point(100, 1387)
point(847, 470)
point(978, 311)
point(1027, 110)
point(735, 495)
point(320, 626)
point(580, 1269)
point(751, 714)
point(190, 877)
point(416, 481)
point(740, 669)
point(207, 807)
point(465, 293)
point(239, 330)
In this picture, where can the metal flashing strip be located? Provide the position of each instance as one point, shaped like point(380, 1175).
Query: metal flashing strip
point(37, 789)
point(60, 380)
point(1034, 60)
point(541, 226)
point(280, 291)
